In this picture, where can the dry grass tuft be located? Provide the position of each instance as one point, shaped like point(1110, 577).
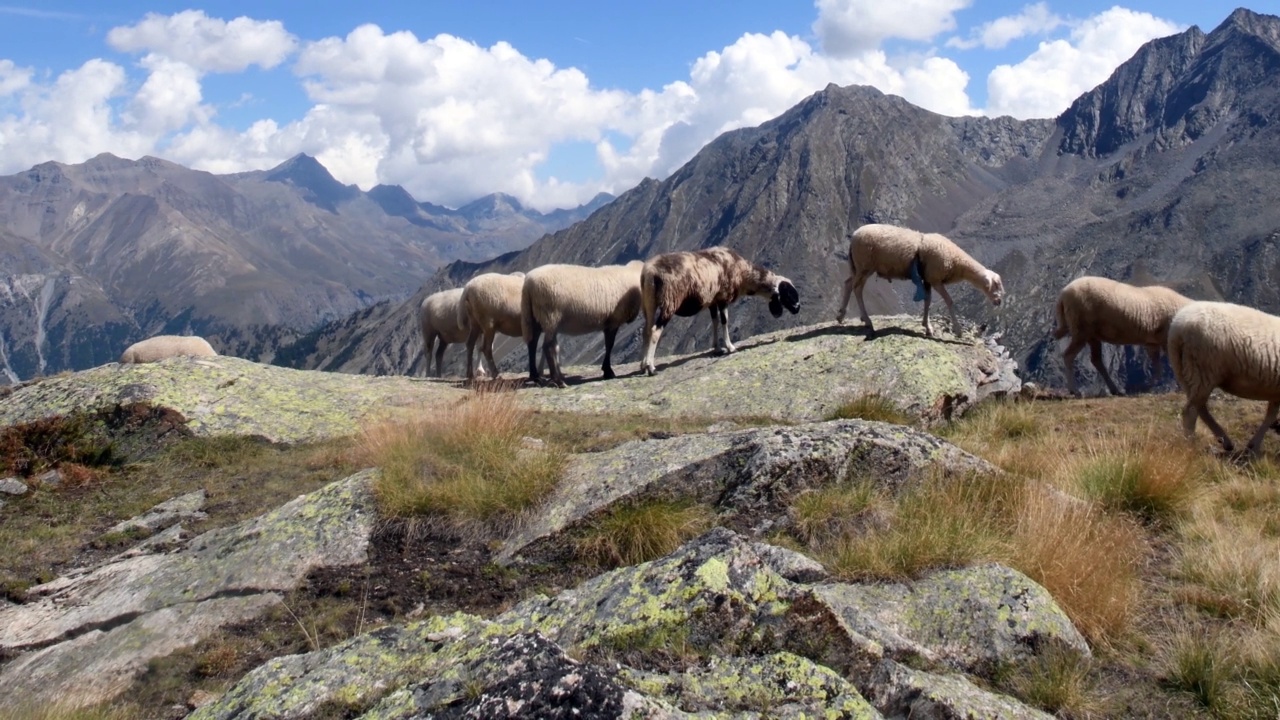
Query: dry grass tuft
point(870, 406)
point(1153, 480)
point(641, 532)
point(1059, 682)
point(822, 514)
point(464, 464)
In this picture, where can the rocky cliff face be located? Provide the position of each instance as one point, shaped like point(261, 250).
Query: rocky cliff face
point(97, 255)
point(1165, 173)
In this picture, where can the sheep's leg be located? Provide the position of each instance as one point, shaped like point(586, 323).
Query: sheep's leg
point(1157, 368)
point(844, 299)
point(610, 334)
point(472, 336)
point(1198, 406)
point(1069, 359)
point(715, 330)
point(724, 327)
point(1095, 357)
point(951, 308)
point(651, 335)
point(1255, 444)
point(428, 345)
point(858, 285)
point(440, 358)
point(534, 375)
point(928, 298)
point(551, 348)
point(487, 350)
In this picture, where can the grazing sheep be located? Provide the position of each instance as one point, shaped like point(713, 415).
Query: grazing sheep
point(1233, 347)
point(1094, 310)
point(576, 300)
point(490, 304)
point(166, 346)
point(439, 319)
point(683, 283)
point(929, 259)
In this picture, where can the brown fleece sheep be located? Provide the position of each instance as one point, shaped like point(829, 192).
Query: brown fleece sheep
point(683, 283)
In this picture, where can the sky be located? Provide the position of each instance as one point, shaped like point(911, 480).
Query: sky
point(551, 101)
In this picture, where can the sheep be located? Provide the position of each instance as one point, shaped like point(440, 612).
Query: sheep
point(1233, 347)
point(490, 304)
point(683, 283)
point(439, 319)
point(166, 346)
point(1094, 310)
point(928, 259)
point(575, 300)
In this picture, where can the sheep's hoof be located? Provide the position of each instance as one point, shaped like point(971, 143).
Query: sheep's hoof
point(719, 351)
point(609, 374)
point(650, 371)
point(840, 319)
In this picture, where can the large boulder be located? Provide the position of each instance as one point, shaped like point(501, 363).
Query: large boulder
point(749, 640)
point(86, 635)
point(749, 476)
point(804, 374)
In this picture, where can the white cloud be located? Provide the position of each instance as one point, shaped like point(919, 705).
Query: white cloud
point(1059, 71)
point(1034, 19)
point(205, 43)
point(851, 27)
point(13, 78)
point(168, 100)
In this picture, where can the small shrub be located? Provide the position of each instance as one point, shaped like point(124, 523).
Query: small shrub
point(33, 447)
point(465, 464)
point(641, 532)
point(220, 660)
point(870, 406)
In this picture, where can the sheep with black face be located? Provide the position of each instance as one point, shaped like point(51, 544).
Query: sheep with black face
point(683, 283)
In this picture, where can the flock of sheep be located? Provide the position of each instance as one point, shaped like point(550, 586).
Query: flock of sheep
point(1211, 345)
point(552, 300)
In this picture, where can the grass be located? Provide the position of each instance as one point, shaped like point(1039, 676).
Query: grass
point(870, 406)
point(640, 532)
point(464, 464)
point(68, 711)
point(1153, 480)
point(1058, 682)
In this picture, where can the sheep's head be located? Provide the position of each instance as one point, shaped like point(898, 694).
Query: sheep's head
point(993, 286)
point(783, 294)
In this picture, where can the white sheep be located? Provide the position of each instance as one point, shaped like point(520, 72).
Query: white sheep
point(166, 346)
point(490, 304)
point(1233, 347)
point(683, 283)
point(439, 320)
point(576, 300)
point(928, 259)
point(1094, 310)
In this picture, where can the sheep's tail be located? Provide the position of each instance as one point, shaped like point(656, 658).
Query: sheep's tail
point(1061, 330)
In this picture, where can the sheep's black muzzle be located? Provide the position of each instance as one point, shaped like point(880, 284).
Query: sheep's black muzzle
point(787, 296)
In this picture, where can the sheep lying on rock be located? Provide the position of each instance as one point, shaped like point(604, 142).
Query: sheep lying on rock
point(166, 346)
point(576, 300)
point(1094, 310)
point(1233, 347)
point(683, 283)
point(439, 319)
point(898, 253)
point(490, 304)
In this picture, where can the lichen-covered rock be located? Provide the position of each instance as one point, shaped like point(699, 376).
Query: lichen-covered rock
point(972, 619)
point(229, 396)
point(750, 476)
point(899, 691)
point(790, 686)
point(804, 373)
point(183, 507)
point(12, 486)
point(109, 621)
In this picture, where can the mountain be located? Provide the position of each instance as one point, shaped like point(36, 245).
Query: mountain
point(1165, 172)
point(97, 255)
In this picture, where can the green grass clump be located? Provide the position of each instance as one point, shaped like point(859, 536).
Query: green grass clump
point(465, 464)
point(641, 532)
point(1152, 482)
point(870, 406)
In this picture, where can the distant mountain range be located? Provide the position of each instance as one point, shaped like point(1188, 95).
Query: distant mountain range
point(1169, 171)
point(97, 255)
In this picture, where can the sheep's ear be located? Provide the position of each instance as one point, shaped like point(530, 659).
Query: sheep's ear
point(789, 296)
point(775, 306)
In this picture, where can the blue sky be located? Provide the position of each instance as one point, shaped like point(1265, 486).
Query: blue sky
point(549, 101)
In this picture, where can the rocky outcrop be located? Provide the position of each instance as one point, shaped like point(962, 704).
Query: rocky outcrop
point(747, 476)
point(87, 634)
point(751, 641)
point(804, 374)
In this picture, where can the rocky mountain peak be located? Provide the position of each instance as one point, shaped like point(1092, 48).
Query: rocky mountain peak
point(319, 187)
point(493, 206)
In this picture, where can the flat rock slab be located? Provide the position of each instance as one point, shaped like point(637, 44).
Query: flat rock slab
point(229, 396)
point(748, 476)
point(96, 629)
point(803, 374)
point(183, 507)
